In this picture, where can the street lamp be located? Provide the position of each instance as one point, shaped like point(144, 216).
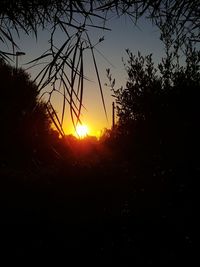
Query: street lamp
point(18, 54)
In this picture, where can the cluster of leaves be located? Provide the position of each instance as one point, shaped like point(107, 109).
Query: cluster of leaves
point(148, 86)
point(30, 14)
point(142, 84)
point(180, 16)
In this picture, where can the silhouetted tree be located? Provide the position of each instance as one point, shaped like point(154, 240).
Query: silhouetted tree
point(158, 109)
point(25, 122)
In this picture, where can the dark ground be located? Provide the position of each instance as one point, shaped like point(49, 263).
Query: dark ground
point(110, 213)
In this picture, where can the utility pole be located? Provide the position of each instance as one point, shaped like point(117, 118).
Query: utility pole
point(113, 115)
point(18, 54)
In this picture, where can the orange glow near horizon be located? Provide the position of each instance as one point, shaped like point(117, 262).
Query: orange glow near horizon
point(81, 131)
point(92, 114)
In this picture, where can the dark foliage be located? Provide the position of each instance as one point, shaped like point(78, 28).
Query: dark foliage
point(100, 207)
point(29, 15)
point(25, 123)
point(158, 109)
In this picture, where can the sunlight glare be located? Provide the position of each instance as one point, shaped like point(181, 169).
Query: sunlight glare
point(82, 130)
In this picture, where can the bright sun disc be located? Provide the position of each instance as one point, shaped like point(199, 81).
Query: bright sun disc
point(82, 131)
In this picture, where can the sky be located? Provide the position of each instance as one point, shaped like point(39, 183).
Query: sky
point(124, 34)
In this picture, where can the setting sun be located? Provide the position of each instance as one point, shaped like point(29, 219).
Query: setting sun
point(82, 130)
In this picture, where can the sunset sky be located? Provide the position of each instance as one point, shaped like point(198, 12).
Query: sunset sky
point(124, 34)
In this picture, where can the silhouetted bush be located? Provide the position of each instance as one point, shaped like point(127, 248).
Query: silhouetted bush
point(25, 123)
point(158, 109)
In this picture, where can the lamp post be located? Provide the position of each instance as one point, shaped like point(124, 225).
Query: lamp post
point(113, 115)
point(18, 54)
